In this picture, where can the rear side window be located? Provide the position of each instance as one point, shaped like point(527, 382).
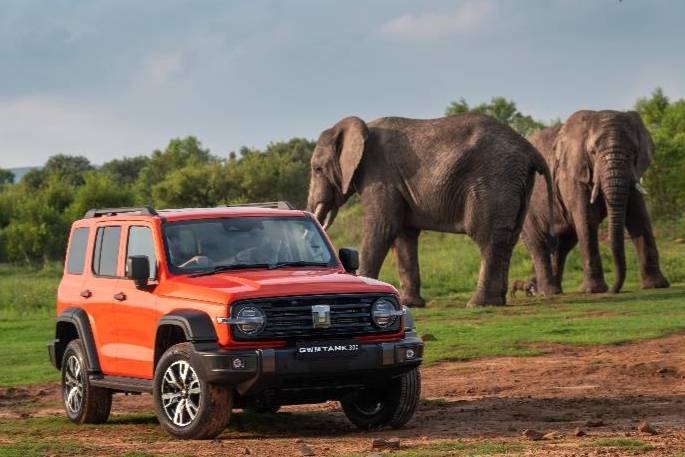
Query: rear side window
point(77, 251)
point(140, 243)
point(106, 253)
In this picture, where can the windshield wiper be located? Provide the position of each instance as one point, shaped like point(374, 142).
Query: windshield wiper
point(235, 266)
point(299, 263)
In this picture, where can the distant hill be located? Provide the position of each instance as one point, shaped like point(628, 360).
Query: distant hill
point(20, 172)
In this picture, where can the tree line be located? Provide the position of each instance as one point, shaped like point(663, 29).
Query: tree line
point(36, 211)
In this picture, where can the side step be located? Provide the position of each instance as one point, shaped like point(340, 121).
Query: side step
point(121, 383)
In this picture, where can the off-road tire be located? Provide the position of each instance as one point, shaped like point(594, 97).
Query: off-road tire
point(394, 405)
point(215, 402)
point(96, 402)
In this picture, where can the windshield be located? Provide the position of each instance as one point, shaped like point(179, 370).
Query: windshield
point(241, 242)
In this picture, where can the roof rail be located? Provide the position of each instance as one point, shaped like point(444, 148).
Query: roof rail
point(274, 205)
point(145, 210)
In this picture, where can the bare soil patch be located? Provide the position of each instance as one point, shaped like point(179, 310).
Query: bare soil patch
point(606, 392)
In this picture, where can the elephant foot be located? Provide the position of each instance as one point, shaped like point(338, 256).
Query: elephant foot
point(483, 299)
point(413, 302)
point(551, 289)
point(656, 281)
point(594, 287)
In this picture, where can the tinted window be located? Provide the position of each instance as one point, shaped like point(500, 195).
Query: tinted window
point(140, 243)
point(77, 251)
point(105, 257)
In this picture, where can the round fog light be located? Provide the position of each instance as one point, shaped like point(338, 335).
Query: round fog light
point(410, 354)
point(238, 364)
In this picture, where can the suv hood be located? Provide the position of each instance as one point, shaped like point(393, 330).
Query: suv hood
point(226, 287)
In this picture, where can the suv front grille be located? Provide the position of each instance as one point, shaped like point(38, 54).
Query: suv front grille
point(291, 317)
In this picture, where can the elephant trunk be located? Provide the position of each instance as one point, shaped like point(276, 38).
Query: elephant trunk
point(615, 183)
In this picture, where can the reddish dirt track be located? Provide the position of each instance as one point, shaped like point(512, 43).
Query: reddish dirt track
point(605, 391)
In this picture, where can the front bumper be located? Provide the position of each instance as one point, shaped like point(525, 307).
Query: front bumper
point(259, 369)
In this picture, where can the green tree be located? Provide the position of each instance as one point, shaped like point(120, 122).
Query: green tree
point(501, 109)
point(6, 177)
point(125, 171)
point(68, 168)
point(664, 177)
point(179, 153)
point(99, 190)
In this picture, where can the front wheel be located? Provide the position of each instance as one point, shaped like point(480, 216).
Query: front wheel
point(187, 406)
point(391, 406)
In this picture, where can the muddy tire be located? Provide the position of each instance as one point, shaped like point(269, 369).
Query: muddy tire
point(187, 406)
point(83, 403)
point(392, 406)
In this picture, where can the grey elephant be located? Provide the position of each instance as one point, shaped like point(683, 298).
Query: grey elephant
point(597, 159)
point(466, 173)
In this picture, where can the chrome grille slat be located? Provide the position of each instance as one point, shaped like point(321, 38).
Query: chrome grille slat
point(291, 317)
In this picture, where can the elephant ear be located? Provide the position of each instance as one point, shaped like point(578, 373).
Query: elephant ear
point(645, 150)
point(351, 136)
point(570, 149)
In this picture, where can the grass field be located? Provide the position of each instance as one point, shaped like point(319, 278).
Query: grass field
point(450, 266)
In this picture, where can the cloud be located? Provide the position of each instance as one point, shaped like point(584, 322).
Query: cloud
point(34, 128)
point(431, 25)
point(159, 68)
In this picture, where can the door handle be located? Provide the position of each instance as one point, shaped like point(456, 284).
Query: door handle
point(86, 293)
point(120, 296)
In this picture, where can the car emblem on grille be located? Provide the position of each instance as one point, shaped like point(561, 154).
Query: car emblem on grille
point(321, 316)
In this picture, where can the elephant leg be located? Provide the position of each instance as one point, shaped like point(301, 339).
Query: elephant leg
point(640, 230)
point(379, 233)
point(593, 274)
point(564, 245)
point(540, 252)
point(494, 269)
point(407, 254)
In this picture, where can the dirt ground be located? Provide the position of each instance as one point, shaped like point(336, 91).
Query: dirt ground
point(604, 391)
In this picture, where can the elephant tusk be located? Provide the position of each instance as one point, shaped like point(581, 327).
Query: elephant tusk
point(319, 212)
point(640, 189)
point(330, 217)
point(595, 192)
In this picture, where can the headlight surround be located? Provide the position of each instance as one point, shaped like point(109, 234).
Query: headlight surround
point(384, 313)
point(250, 320)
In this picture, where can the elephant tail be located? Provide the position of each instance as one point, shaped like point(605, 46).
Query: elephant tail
point(542, 168)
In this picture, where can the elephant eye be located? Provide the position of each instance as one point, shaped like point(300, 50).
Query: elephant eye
point(318, 170)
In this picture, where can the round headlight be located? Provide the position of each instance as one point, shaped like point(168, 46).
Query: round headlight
point(251, 320)
point(383, 312)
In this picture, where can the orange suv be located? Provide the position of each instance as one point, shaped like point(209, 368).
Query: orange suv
point(232, 307)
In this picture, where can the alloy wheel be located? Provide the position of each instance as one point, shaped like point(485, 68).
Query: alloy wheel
point(181, 393)
point(73, 385)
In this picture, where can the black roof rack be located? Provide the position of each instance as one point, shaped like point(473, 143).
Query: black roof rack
point(274, 205)
point(145, 210)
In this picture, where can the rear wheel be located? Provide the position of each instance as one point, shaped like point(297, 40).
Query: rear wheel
point(83, 403)
point(186, 405)
point(391, 406)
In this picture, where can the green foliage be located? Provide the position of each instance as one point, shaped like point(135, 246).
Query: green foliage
point(98, 191)
point(6, 177)
point(179, 153)
point(501, 109)
point(125, 172)
point(664, 177)
point(68, 168)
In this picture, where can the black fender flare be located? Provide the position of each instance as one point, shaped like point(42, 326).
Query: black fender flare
point(196, 326)
point(79, 319)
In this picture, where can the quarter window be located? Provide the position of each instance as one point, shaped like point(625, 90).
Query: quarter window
point(106, 254)
point(77, 251)
point(140, 243)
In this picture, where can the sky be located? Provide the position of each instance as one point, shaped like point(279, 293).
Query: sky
point(107, 79)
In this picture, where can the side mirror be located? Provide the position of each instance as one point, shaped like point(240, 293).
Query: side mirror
point(138, 269)
point(350, 259)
